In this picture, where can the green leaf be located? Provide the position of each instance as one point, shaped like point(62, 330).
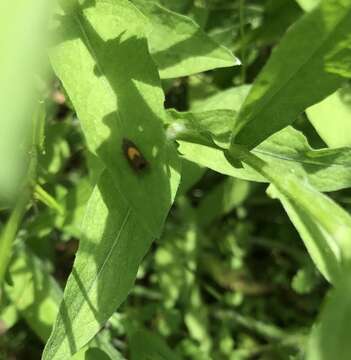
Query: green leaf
point(102, 59)
point(321, 244)
point(278, 16)
point(205, 128)
point(330, 337)
point(36, 296)
point(323, 225)
point(34, 292)
point(229, 99)
point(331, 118)
point(325, 169)
point(146, 345)
point(74, 203)
point(113, 243)
point(295, 76)
point(179, 46)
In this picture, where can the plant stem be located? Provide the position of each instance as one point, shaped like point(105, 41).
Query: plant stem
point(8, 234)
point(267, 331)
point(47, 199)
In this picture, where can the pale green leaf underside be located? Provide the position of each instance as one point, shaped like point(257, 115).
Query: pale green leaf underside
point(327, 170)
point(179, 46)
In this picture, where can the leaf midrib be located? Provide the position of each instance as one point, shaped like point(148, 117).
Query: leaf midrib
point(292, 159)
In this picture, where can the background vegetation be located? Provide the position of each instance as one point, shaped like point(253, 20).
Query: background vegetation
point(225, 246)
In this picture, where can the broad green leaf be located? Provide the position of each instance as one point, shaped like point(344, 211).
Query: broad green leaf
point(330, 337)
point(229, 99)
point(323, 225)
point(278, 16)
point(325, 169)
point(179, 46)
point(102, 59)
point(320, 243)
point(295, 76)
point(113, 243)
point(339, 61)
point(332, 118)
point(37, 296)
point(34, 292)
point(208, 127)
point(146, 345)
point(74, 203)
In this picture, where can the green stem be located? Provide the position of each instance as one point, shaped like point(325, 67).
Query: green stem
point(267, 331)
point(47, 199)
point(9, 233)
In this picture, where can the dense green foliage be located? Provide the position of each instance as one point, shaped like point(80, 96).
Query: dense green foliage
point(163, 179)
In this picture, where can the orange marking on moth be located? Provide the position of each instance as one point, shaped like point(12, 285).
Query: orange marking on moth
point(133, 153)
point(134, 156)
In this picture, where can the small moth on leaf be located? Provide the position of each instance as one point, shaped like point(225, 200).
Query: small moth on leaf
point(135, 158)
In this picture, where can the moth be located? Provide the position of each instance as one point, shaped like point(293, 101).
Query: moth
point(134, 156)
